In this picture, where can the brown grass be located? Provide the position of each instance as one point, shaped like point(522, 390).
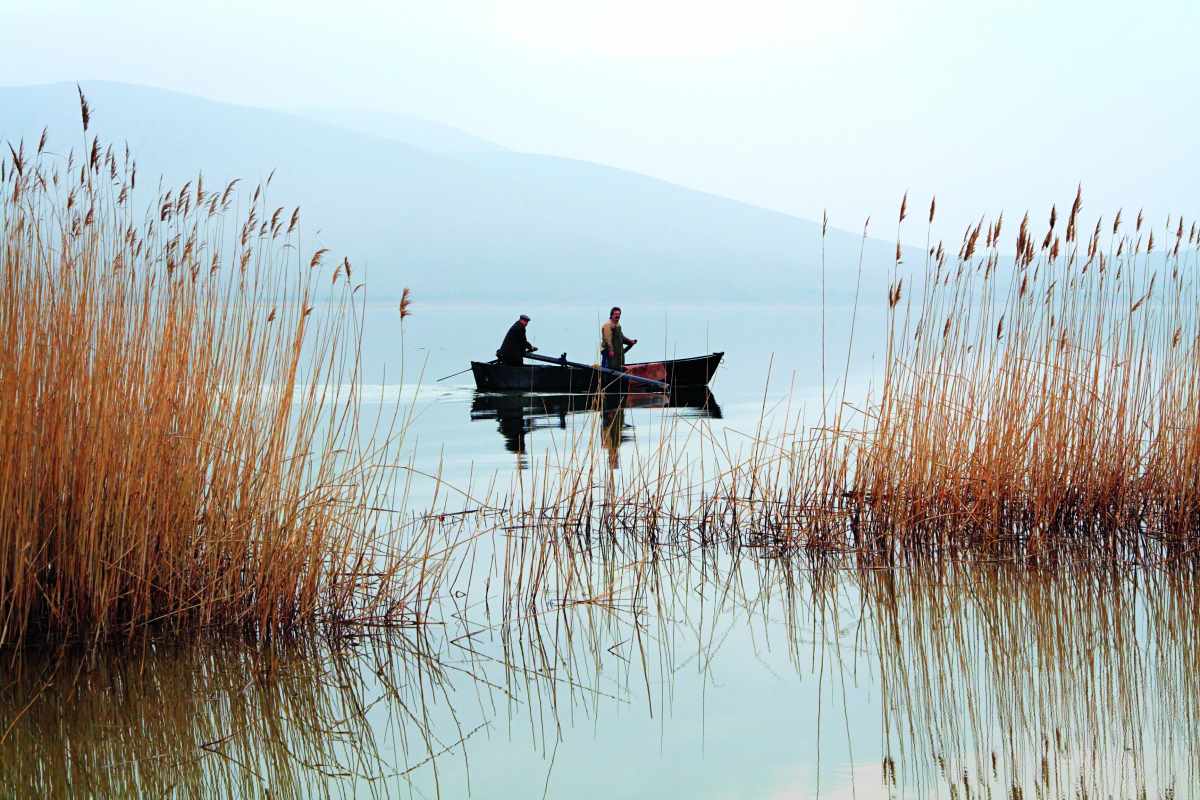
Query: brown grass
point(1041, 399)
point(1054, 397)
point(177, 450)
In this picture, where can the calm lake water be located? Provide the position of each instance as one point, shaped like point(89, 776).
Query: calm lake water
point(646, 670)
point(773, 361)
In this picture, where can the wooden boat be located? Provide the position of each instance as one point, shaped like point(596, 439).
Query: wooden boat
point(678, 372)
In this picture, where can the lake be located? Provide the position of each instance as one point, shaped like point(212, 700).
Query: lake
point(613, 666)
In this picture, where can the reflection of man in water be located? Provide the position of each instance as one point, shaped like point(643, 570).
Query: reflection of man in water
point(512, 427)
point(512, 351)
point(613, 422)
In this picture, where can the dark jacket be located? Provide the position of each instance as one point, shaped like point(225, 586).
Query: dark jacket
point(512, 351)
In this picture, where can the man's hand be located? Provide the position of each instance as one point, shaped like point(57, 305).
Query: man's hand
point(532, 349)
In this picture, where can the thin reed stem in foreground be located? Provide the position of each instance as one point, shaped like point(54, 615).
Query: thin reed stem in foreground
point(179, 415)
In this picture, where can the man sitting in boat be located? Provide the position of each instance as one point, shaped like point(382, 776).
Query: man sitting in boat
point(613, 343)
point(515, 345)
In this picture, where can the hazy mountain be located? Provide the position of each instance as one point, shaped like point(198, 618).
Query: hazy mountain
point(435, 137)
point(473, 225)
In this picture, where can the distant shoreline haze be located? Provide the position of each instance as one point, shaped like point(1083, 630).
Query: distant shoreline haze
point(472, 222)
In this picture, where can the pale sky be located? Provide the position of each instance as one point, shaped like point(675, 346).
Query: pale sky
point(795, 106)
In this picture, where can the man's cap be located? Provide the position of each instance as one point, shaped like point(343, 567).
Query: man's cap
point(524, 317)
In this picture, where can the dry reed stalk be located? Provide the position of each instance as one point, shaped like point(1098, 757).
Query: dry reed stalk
point(1062, 403)
point(1067, 680)
point(179, 454)
point(1074, 678)
point(1038, 400)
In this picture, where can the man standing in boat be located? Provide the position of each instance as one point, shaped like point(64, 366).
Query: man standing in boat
point(515, 345)
point(613, 343)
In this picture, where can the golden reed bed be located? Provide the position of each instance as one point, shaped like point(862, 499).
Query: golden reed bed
point(173, 456)
point(1050, 395)
point(178, 453)
point(1039, 400)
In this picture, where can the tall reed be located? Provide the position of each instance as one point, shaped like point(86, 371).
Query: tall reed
point(178, 452)
point(1034, 396)
point(1051, 393)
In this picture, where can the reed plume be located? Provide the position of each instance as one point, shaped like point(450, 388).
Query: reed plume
point(1028, 400)
point(178, 454)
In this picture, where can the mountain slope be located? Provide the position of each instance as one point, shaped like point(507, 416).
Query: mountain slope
point(421, 133)
point(474, 226)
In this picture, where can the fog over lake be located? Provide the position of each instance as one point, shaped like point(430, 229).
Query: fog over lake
point(928, 532)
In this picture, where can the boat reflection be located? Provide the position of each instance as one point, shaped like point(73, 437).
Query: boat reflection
point(519, 414)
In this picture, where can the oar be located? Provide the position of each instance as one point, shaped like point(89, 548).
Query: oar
point(562, 361)
point(447, 377)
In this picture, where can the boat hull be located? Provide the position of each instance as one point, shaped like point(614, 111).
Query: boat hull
point(679, 373)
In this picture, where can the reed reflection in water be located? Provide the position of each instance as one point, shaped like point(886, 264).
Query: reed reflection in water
point(221, 719)
point(1065, 680)
point(1073, 680)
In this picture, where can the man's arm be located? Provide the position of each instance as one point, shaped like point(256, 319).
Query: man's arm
point(628, 342)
